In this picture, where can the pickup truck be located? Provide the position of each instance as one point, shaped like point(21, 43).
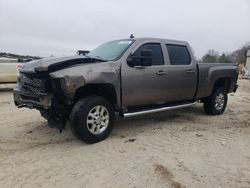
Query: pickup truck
point(127, 77)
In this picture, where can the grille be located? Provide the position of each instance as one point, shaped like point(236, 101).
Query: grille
point(33, 81)
point(32, 86)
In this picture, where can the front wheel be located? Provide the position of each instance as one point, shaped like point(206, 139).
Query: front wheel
point(217, 102)
point(92, 119)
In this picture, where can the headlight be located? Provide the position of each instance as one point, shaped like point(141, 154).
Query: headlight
point(69, 83)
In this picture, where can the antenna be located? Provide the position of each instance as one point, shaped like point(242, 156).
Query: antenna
point(132, 36)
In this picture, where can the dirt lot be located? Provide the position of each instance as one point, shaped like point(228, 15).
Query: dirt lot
point(181, 148)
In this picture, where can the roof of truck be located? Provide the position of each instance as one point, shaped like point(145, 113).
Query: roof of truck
point(161, 40)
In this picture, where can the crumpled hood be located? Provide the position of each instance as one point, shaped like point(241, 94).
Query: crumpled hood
point(53, 64)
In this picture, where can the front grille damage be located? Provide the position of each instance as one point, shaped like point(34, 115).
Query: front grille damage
point(34, 88)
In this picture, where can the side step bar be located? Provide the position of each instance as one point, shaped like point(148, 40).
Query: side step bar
point(131, 114)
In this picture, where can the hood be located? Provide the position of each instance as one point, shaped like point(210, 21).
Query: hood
point(54, 64)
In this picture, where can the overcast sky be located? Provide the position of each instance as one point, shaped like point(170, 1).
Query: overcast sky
point(61, 27)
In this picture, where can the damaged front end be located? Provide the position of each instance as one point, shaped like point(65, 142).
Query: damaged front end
point(36, 90)
point(51, 85)
point(31, 92)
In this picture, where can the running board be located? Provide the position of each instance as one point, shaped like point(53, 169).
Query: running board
point(131, 114)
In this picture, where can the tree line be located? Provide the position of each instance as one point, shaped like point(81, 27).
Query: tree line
point(238, 56)
point(20, 58)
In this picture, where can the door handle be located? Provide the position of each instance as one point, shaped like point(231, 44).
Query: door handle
point(190, 71)
point(161, 72)
point(139, 67)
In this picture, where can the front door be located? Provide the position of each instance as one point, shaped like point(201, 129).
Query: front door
point(145, 85)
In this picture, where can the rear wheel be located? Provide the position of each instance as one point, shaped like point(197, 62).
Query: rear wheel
point(92, 119)
point(217, 102)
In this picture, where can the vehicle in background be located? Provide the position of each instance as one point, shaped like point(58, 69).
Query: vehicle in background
point(82, 52)
point(8, 70)
point(246, 74)
point(130, 77)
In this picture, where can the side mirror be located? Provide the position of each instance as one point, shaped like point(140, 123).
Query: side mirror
point(144, 60)
point(131, 60)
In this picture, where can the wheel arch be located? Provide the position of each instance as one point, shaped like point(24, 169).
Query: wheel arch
point(105, 90)
point(224, 82)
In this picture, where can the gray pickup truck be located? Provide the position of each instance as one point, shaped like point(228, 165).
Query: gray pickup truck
point(128, 77)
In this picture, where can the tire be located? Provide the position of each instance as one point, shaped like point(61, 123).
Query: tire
point(217, 102)
point(92, 119)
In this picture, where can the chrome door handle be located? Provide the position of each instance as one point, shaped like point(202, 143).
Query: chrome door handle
point(190, 71)
point(161, 72)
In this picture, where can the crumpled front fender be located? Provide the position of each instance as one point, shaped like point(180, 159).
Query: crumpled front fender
point(72, 78)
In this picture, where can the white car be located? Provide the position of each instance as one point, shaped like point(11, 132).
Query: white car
point(8, 70)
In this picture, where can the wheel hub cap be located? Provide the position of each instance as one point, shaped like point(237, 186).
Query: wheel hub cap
point(98, 119)
point(219, 101)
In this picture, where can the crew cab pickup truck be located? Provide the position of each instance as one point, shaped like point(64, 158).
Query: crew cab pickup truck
point(128, 77)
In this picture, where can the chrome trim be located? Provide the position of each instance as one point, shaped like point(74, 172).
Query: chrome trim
point(131, 114)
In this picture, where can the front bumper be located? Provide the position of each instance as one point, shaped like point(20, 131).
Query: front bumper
point(42, 101)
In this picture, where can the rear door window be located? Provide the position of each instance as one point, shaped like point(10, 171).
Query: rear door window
point(178, 54)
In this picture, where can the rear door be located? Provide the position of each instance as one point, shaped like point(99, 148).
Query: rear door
point(182, 73)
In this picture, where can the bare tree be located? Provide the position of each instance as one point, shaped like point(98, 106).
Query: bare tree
point(239, 55)
point(212, 56)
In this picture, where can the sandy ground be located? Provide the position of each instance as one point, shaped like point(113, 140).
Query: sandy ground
point(181, 148)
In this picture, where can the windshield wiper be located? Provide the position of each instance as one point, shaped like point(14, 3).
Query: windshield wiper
point(98, 57)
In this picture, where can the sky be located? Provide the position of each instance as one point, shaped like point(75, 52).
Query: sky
point(61, 27)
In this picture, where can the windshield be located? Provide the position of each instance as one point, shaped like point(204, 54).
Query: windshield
point(110, 51)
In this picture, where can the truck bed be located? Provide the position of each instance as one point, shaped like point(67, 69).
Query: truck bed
point(208, 73)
